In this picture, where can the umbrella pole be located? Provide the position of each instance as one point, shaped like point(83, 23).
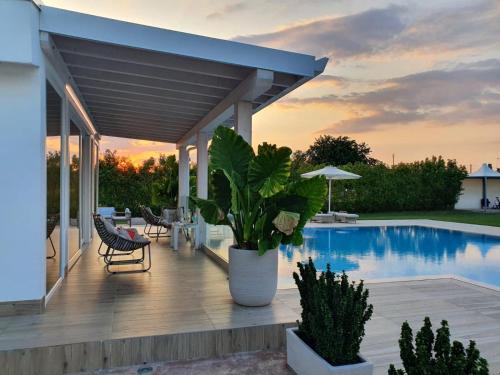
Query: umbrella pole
point(485, 193)
point(329, 194)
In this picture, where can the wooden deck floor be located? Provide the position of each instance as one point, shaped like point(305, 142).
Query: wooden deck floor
point(186, 292)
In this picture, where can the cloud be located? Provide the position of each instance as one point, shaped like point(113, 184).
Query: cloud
point(228, 9)
point(466, 94)
point(451, 29)
point(392, 31)
point(328, 80)
point(337, 37)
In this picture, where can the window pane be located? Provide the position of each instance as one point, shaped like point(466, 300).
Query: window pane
point(53, 161)
point(74, 189)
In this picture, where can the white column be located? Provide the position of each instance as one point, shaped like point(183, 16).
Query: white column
point(64, 218)
point(243, 120)
point(23, 187)
point(183, 199)
point(86, 193)
point(202, 179)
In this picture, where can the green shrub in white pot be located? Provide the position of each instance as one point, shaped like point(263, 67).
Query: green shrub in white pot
point(334, 313)
point(253, 194)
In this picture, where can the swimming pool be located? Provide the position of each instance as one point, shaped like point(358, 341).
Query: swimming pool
point(374, 253)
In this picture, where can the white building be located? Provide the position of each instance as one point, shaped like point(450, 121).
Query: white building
point(478, 186)
point(66, 79)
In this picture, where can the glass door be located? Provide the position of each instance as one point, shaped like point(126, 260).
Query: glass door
point(53, 165)
point(74, 230)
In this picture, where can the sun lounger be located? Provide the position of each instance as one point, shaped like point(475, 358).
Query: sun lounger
point(324, 218)
point(344, 217)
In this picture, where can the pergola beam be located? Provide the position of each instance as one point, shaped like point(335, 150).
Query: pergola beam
point(140, 118)
point(143, 99)
point(131, 68)
point(252, 87)
point(131, 89)
point(121, 103)
point(140, 136)
point(138, 121)
point(148, 58)
point(111, 108)
point(146, 130)
point(148, 82)
point(160, 91)
point(163, 134)
point(155, 108)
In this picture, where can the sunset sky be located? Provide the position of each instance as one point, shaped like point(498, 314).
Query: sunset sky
point(413, 78)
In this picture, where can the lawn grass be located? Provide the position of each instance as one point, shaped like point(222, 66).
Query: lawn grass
point(458, 216)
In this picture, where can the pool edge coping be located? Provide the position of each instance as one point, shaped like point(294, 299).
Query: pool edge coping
point(218, 259)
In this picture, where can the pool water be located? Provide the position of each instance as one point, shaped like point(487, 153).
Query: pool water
point(374, 253)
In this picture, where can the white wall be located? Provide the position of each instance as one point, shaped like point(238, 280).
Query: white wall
point(19, 40)
point(22, 185)
point(22, 146)
point(470, 199)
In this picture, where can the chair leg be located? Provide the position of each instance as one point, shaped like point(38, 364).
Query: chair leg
point(149, 258)
point(107, 255)
point(53, 249)
point(108, 263)
point(116, 255)
point(131, 261)
point(99, 249)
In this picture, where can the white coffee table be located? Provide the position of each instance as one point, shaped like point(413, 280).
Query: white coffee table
point(178, 227)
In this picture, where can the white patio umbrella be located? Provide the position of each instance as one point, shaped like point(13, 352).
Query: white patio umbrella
point(484, 173)
point(331, 173)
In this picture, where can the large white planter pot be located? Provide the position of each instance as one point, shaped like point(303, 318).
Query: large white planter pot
point(253, 278)
point(305, 361)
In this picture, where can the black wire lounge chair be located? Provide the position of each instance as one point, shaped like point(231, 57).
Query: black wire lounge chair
point(154, 221)
point(118, 246)
point(52, 221)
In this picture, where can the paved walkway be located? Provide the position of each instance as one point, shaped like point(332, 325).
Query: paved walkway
point(473, 314)
point(469, 228)
point(186, 292)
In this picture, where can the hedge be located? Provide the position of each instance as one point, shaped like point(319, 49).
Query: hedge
point(432, 184)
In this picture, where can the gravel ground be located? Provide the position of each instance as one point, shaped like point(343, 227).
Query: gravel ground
point(262, 362)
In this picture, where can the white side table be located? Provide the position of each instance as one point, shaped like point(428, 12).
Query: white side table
point(179, 227)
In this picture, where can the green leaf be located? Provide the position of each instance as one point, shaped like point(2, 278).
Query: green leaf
point(231, 154)
point(297, 239)
point(212, 213)
point(268, 172)
point(269, 243)
point(221, 190)
point(314, 190)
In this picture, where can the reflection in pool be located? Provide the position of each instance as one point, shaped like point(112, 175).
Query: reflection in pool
point(372, 253)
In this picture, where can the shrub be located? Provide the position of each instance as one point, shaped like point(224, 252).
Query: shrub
point(334, 313)
point(431, 184)
point(434, 355)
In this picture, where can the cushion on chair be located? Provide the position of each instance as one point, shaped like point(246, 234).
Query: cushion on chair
point(109, 227)
point(124, 233)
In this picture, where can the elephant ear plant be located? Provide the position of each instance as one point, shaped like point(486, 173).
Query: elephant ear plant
point(252, 193)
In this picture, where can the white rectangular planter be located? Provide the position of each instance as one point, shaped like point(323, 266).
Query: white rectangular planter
point(305, 361)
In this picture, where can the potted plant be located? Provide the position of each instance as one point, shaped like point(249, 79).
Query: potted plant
point(435, 355)
point(253, 194)
point(334, 313)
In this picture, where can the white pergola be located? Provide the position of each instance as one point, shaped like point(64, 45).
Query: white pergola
point(123, 80)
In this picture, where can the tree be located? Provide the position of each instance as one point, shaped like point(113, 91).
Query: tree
point(122, 184)
point(338, 151)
